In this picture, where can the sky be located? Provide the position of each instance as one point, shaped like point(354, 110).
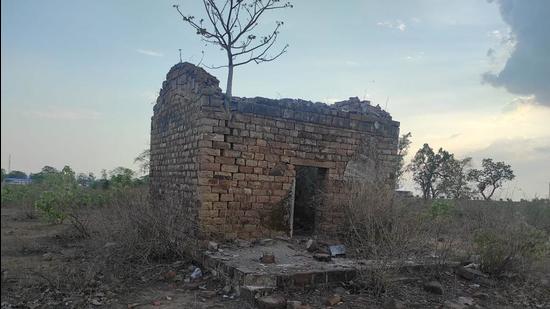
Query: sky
point(79, 78)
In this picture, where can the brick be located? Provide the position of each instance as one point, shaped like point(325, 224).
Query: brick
point(221, 145)
point(210, 197)
point(231, 153)
point(251, 163)
point(213, 137)
point(238, 176)
point(246, 169)
point(266, 178)
point(205, 143)
point(251, 177)
point(210, 166)
point(219, 205)
point(224, 160)
point(229, 168)
point(226, 197)
point(209, 151)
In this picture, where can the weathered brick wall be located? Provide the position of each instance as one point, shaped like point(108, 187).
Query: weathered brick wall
point(175, 131)
point(239, 167)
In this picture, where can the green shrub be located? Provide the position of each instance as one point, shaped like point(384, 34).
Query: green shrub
point(53, 205)
point(18, 195)
point(509, 248)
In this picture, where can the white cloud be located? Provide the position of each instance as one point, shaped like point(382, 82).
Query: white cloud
point(415, 56)
point(64, 113)
point(149, 52)
point(397, 24)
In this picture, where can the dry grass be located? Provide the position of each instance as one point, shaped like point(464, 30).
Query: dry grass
point(505, 236)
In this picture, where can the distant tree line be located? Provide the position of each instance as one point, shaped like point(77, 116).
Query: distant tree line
point(441, 175)
point(117, 177)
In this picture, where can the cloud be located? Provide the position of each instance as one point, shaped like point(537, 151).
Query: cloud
point(397, 24)
point(520, 119)
point(64, 113)
point(527, 70)
point(519, 103)
point(415, 56)
point(149, 52)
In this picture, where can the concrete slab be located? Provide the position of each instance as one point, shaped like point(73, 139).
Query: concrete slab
point(294, 266)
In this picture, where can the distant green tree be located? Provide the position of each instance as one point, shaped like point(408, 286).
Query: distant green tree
point(46, 170)
point(103, 182)
point(17, 174)
point(430, 170)
point(67, 171)
point(3, 174)
point(490, 177)
point(454, 182)
point(121, 177)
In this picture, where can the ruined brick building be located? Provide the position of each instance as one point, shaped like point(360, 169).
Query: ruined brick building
point(266, 167)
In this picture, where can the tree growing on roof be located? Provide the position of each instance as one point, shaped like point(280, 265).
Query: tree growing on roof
point(232, 27)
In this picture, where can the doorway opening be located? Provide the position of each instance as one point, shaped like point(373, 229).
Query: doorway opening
point(308, 189)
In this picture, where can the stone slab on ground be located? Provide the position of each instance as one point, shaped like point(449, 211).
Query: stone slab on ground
point(294, 268)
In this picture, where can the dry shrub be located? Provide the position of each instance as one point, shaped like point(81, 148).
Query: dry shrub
point(509, 249)
point(379, 225)
point(507, 236)
point(139, 230)
point(381, 228)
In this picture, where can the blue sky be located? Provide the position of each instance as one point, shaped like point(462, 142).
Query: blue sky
point(79, 77)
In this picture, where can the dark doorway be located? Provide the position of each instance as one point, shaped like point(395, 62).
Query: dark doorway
point(307, 197)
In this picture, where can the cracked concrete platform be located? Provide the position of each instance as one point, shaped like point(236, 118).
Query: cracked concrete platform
point(294, 266)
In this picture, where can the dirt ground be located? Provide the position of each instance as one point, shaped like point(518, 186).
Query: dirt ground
point(43, 266)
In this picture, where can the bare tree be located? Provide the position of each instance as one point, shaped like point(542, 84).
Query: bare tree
point(143, 159)
point(402, 151)
point(232, 28)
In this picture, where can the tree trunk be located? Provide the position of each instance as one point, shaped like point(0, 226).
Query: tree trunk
point(484, 197)
point(229, 87)
point(492, 192)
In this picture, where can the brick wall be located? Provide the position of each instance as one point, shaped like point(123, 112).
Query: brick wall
point(238, 168)
point(175, 134)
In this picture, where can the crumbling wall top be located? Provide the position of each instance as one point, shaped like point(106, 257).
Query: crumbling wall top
point(202, 81)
